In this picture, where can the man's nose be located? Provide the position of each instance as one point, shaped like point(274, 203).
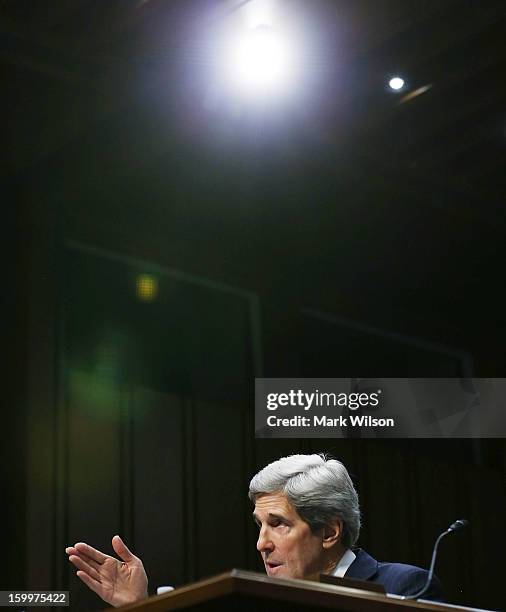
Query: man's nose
point(264, 542)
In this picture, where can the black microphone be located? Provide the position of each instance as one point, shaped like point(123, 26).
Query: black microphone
point(458, 525)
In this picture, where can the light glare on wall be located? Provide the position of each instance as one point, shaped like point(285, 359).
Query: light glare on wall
point(147, 287)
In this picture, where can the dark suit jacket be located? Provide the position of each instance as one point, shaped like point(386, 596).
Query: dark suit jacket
point(397, 578)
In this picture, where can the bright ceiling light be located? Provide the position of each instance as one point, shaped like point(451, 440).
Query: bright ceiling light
point(396, 83)
point(259, 61)
point(258, 13)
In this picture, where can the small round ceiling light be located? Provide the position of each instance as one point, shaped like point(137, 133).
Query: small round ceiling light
point(396, 83)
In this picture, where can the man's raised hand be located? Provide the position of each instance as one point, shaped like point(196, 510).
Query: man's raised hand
point(116, 582)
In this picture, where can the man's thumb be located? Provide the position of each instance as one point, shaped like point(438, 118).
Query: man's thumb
point(121, 549)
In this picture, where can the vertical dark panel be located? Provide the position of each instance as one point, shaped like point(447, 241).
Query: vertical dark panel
point(387, 487)
point(157, 464)
point(43, 488)
point(481, 559)
point(190, 493)
point(220, 489)
point(93, 438)
point(437, 507)
point(14, 401)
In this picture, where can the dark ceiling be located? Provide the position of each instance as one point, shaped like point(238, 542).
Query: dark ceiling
point(439, 148)
point(66, 63)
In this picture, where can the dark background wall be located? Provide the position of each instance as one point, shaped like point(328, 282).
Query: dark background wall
point(136, 417)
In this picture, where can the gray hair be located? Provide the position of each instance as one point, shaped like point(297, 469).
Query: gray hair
point(320, 489)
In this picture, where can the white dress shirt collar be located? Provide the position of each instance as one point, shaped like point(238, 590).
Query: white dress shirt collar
point(344, 563)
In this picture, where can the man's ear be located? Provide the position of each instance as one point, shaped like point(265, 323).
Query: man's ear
point(332, 534)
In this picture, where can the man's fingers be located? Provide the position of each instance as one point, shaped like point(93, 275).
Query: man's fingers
point(81, 565)
point(121, 549)
point(90, 582)
point(94, 564)
point(90, 552)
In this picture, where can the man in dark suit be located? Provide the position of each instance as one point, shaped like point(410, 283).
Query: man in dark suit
point(308, 514)
point(308, 517)
point(397, 578)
